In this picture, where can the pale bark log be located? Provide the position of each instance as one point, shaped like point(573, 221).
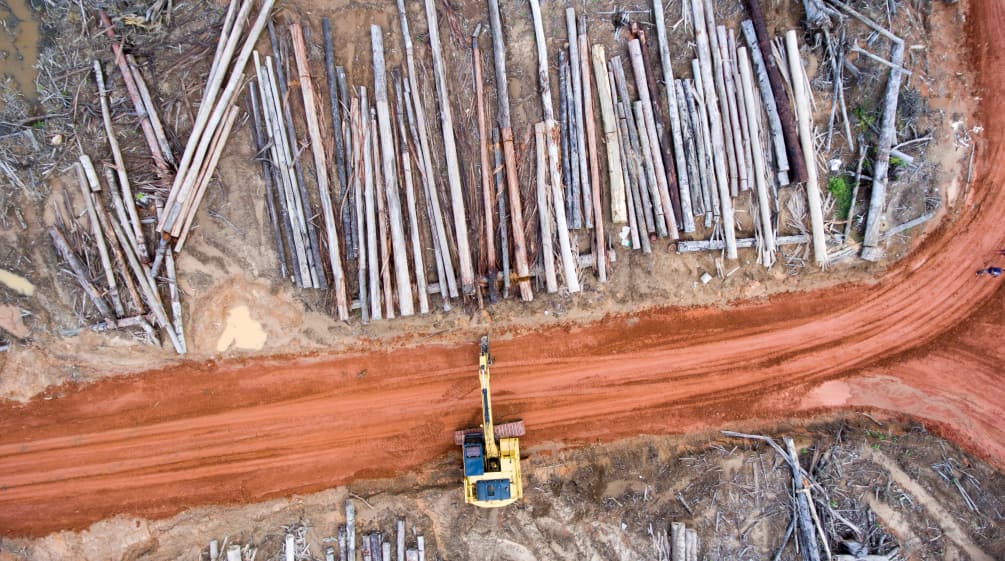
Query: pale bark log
point(805, 117)
point(760, 171)
point(413, 218)
point(199, 142)
point(425, 155)
point(576, 76)
point(600, 243)
point(450, 155)
point(887, 135)
point(321, 169)
point(216, 150)
point(543, 208)
point(649, 130)
point(483, 155)
point(683, 181)
point(609, 120)
point(509, 153)
point(768, 100)
point(544, 83)
point(382, 226)
point(734, 112)
point(373, 259)
point(87, 178)
point(406, 305)
point(120, 169)
point(362, 255)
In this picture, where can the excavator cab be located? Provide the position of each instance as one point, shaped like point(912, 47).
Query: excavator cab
point(491, 454)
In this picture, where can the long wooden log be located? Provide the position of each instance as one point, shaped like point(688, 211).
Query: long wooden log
point(282, 83)
point(151, 109)
point(369, 191)
point(887, 136)
point(649, 130)
point(406, 305)
point(149, 291)
point(634, 190)
point(272, 209)
point(718, 75)
point(347, 144)
point(509, 153)
point(382, 218)
point(280, 155)
point(741, 107)
point(792, 147)
point(81, 273)
point(715, 128)
point(143, 111)
point(734, 112)
point(500, 197)
point(362, 257)
point(638, 180)
point(425, 156)
point(760, 171)
point(199, 142)
point(666, 64)
point(89, 184)
point(570, 180)
point(600, 241)
point(437, 231)
point(782, 165)
point(690, 151)
point(691, 246)
point(106, 227)
point(678, 541)
point(336, 106)
point(450, 155)
point(120, 168)
point(648, 188)
point(660, 207)
point(543, 208)
point(321, 169)
point(576, 78)
point(696, 105)
point(177, 321)
point(483, 154)
point(609, 120)
point(216, 150)
point(544, 83)
point(413, 218)
point(805, 117)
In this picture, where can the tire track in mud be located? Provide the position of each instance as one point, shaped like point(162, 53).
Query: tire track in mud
point(923, 340)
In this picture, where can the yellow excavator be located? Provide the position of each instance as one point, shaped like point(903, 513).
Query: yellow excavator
point(491, 453)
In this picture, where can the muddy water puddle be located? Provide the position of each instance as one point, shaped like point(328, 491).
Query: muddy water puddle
point(19, 38)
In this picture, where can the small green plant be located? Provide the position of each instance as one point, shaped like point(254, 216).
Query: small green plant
point(841, 190)
point(866, 118)
point(896, 162)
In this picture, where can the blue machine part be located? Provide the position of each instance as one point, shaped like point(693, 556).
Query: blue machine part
point(474, 457)
point(492, 490)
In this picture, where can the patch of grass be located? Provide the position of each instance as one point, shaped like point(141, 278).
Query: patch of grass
point(841, 190)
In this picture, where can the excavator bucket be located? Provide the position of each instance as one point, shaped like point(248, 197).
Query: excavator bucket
point(504, 430)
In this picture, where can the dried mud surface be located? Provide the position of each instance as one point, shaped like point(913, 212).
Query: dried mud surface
point(924, 340)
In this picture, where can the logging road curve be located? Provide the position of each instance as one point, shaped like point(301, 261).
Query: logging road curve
point(924, 340)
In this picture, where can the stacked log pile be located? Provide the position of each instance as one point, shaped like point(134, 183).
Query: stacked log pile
point(626, 153)
point(349, 544)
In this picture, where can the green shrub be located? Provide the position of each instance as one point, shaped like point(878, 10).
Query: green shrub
point(841, 190)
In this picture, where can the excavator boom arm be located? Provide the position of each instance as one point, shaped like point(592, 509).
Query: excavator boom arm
point(488, 428)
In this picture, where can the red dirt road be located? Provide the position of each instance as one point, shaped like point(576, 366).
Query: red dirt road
point(924, 340)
